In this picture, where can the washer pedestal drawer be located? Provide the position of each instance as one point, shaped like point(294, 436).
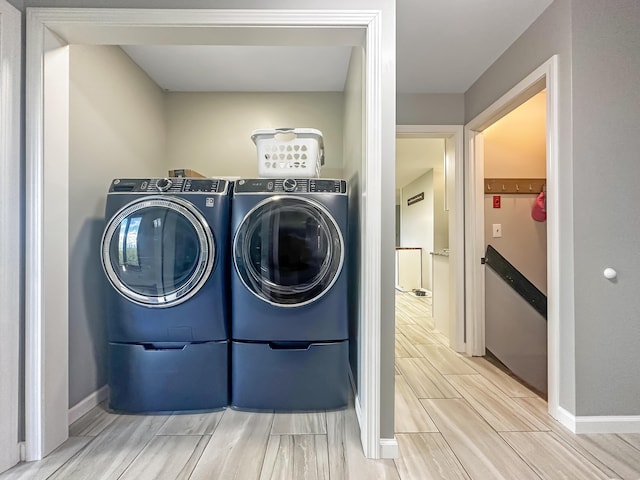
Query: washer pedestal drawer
point(290, 376)
point(165, 377)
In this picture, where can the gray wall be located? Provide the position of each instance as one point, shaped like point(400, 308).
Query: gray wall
point(521, 345)
point(606, 146)
point(417, 222)
point(210, 132)
point(523, 242)
point(430, 109)
point(353, 170)
point(549, 35)
point(116, 129)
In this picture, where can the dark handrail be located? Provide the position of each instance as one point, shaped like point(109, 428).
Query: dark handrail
point(516, 280)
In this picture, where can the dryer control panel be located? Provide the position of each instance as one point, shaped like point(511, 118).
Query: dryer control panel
point(290, 185)
point(168, 185)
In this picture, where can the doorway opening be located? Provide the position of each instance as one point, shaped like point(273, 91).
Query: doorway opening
point(429, 276)
point(422, 225)
point(542, 79)
point(429, 220)
point(516, 242)
point(46, 323)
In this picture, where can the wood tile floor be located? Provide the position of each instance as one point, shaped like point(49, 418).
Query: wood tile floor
point(487, 425)
point(456, 418)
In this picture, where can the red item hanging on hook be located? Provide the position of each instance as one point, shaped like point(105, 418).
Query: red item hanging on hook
point(539, 210)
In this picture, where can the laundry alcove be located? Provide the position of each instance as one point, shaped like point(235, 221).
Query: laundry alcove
point(68, 165)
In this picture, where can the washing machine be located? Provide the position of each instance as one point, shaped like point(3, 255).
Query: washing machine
point(289, 294)
point(165, 254)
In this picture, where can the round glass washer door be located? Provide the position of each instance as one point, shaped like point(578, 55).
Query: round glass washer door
point(158, 251)
point(288, 251)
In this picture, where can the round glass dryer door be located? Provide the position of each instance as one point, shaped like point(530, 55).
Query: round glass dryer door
point(288, 251)
point(158, 251)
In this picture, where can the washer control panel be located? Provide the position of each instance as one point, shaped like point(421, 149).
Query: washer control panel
point(168, 185)
point(290, 185)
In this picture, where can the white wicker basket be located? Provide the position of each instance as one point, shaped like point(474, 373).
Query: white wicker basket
point(284, 152)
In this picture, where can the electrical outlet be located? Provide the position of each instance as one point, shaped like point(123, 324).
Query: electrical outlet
point(497, 230)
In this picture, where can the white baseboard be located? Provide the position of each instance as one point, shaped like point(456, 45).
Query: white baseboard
point(92, 400)
point(598, 424)
point(389, 448)
point(608, 424)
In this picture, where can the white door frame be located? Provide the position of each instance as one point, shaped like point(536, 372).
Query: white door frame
point(10, 238)
point(454, 184)
point(545, 76)
point(113, 26)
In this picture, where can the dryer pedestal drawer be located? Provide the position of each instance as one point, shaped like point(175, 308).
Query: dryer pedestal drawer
point(152, 378)
point(292, 376)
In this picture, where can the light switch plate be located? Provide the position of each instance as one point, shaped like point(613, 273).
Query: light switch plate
point(497, 230)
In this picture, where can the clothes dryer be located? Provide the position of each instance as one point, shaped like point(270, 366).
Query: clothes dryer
point(165, 253)
point(289, 294)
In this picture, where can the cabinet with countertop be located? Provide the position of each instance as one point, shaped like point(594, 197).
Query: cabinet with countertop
point(440, 290)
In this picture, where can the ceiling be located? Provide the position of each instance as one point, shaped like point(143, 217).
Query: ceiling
point(224, 68)
point(443, 46)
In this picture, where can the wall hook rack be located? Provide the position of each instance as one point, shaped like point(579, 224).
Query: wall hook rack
point(513, 185)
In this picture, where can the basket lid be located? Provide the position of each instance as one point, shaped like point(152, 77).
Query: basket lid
point(270, 132)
